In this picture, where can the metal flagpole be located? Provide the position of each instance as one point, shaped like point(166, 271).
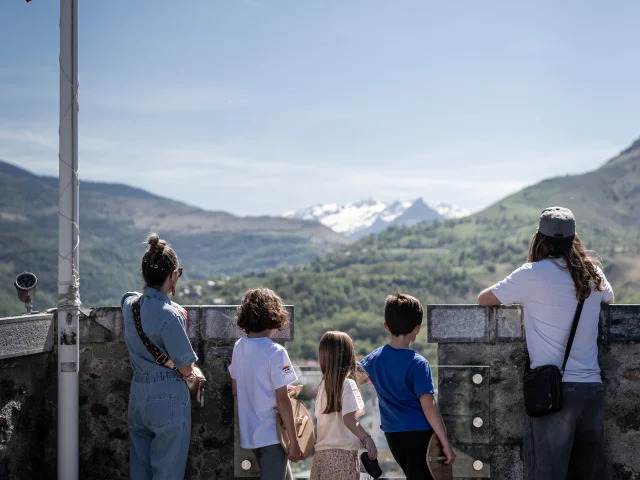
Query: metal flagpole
point(68, 231)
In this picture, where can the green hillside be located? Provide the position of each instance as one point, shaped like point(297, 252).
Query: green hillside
point(450, 262)
point(114, 220)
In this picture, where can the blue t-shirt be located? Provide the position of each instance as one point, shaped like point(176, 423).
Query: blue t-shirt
point(400, 377)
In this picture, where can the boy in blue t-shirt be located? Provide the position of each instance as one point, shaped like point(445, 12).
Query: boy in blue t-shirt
point(402, 379)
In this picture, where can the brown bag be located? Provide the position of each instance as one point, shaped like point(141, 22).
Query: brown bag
point(303, 424)
point(195, 382)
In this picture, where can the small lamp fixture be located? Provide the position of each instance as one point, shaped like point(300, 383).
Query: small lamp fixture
point(26, 284)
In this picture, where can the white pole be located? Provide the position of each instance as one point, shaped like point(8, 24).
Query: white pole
point(68, 294)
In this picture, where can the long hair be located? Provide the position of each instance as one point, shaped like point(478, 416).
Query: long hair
point(337, 362)
point(580, 265)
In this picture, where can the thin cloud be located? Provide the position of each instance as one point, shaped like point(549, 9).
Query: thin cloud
point(29, 137)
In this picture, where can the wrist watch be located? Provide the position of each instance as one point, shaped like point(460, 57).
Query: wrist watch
point(362, 440)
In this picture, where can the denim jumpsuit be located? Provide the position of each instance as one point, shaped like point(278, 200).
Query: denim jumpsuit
point(159, 414)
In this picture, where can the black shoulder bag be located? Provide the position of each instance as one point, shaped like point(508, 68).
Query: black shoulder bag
point(542, 386)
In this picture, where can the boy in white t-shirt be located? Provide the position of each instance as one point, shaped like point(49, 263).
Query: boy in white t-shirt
point(261, 373)
point(338, 406)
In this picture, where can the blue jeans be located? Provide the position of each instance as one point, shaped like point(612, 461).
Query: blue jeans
point(159, 426)
point(568, 444)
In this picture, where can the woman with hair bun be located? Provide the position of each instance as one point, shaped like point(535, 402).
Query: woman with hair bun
point(159, 414)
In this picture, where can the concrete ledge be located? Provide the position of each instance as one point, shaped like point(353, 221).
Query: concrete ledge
point(218, 323)
point(457, 323)
point(26, 335)
point(30, 334)
point(473, 323)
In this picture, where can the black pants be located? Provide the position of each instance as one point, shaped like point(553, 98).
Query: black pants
point(409, 449)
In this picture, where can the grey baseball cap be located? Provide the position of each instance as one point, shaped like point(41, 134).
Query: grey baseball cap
point(557, 222)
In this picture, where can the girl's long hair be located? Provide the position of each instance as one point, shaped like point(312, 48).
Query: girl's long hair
point(580, 265)
point(337, 362)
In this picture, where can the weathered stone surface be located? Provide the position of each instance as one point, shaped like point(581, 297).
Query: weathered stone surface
point(508, 321)
point(623, 322)
point(506, 463)
point(28, 395)
point(498, 399)
point(211, 453)
point(620, 364)
point(105, 377)
point(457, 323)
point(459, 395)
point(466, 455)
point(218, 323)
point(26, 335)
point(193, 322)
point(106, 324)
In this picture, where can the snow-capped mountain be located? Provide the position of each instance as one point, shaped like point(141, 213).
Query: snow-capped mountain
point(358, 219)
point(450, 211)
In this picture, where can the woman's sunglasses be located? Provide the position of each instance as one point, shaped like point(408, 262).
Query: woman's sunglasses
point(179, 272)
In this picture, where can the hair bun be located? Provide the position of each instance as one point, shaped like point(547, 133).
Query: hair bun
point(155, 243)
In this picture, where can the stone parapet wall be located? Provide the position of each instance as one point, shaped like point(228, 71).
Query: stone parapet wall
point(480, 355)
point(490, 343)
point(28, 394)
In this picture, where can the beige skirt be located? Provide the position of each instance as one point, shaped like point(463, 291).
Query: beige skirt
point(335, 465)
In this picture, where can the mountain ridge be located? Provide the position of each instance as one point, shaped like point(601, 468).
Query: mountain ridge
point(116, 218)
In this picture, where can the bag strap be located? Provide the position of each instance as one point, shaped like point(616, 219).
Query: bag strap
point(160, 357)
point(574, 327)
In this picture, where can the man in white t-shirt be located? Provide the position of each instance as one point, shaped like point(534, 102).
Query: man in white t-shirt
point(548, 286)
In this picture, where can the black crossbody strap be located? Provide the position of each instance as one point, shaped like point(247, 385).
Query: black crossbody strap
point(160, 357)
point(574, 327)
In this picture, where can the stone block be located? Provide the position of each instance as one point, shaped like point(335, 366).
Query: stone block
point(219, 324)
point(620, 364)
point(503, 380)
point(458, 393)
point(99, 325)
point(622, 323)
point(508, 323)
point(507, 404)
point(28, 394)
point(457, 323)
point(26, 335)
point(105, 379)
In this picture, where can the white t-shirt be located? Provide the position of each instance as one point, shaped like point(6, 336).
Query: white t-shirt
point(259, 366)
point(548, 295)
point(332, 432)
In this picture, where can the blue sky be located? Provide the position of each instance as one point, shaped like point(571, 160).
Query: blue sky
point(257, 107)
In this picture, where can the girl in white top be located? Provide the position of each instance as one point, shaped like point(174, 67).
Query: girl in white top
point(338, 406)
